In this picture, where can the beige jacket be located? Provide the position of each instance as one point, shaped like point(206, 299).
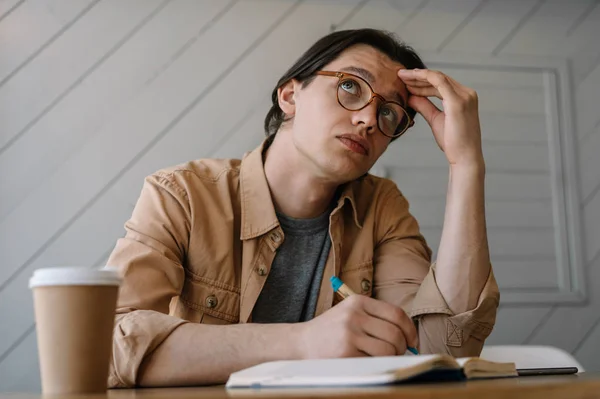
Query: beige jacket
point(202, 238)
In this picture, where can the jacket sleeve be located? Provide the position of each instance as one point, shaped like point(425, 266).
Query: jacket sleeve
point(149, 259)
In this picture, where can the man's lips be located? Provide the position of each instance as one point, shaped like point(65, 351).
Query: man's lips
point(355, 143)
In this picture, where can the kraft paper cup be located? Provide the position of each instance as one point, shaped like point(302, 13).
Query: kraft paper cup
point(74, 314)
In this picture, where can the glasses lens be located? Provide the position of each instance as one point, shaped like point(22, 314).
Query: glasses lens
point(392, 119)
point(353, 94)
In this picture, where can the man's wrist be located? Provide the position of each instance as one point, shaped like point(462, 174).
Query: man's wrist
point(294, 340)
point(473, 168)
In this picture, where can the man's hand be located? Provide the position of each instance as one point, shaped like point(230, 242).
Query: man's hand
point(358, 326)
point(457, 129)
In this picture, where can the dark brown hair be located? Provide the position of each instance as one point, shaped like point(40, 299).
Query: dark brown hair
point(327, 49)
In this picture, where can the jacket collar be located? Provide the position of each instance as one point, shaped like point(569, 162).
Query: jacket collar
point(258, 211)
point(351, 192)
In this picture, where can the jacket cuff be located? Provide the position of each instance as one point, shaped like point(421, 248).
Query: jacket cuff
point(136, 334)
point(477, 322)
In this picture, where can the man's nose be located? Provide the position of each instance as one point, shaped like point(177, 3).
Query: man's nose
point(366, 117)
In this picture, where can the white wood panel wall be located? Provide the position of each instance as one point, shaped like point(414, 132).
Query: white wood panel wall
point(96, 94)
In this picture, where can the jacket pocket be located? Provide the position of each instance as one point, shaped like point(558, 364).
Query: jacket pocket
point(359, 277)
point(215, 301)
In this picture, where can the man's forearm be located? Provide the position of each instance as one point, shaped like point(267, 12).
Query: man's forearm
point(200, 354)
point(463, 261)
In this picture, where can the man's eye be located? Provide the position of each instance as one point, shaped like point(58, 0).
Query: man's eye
point(389, 114)
point(351, 87)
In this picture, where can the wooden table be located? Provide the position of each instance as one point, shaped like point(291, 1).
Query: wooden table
point(585, 385)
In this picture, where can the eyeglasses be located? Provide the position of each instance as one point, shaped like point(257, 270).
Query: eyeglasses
point(354, 94)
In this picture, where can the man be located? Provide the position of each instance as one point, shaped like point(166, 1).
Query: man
point(227, 263)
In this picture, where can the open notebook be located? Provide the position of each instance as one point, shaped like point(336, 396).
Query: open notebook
point(368, 371)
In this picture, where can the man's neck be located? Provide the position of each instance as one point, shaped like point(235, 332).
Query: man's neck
point(296, 192)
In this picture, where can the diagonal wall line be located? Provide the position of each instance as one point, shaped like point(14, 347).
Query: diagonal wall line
point(413, 14)
point(591, 69)
point(183, 49)
point(594, 260)
point(233, 130)
point(49, 41)
point(149, 146)
point(539, 326)
point(352, 13)
point(462, 25)
point(577, 23)
point(17, 342)
point(79, 80)
point(517, 28)
point(10, 10)
point(589, 134)
point(591, 195)
point(586, 335)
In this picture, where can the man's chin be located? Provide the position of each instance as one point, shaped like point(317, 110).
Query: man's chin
point(342, 168)
point(347, 175)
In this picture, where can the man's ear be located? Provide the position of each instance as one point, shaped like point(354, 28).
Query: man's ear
point(286, 97)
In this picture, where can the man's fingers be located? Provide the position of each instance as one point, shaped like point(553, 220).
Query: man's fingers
point(437, 79)
point(375, 347)
point(429, 91)
point(416, 83)
point(386, 331)
point(425, 107)
point(395, 315)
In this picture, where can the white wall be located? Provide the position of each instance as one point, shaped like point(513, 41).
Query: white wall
point(96, 94)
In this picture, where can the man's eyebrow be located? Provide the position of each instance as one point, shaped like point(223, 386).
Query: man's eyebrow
point(369, 77)
point(363, 73)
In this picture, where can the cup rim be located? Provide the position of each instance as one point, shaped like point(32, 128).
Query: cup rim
point(74, 275)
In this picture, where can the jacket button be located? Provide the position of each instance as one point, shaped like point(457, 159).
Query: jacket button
point(276, 237)
point(262, 270)
point(365, 285)
point(211, 301)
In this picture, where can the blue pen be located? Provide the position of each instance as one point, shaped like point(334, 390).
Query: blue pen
point(344, 291)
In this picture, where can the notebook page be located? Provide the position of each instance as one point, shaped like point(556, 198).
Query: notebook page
point(326, 369)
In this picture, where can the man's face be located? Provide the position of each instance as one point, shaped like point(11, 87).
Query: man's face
point(328, 135)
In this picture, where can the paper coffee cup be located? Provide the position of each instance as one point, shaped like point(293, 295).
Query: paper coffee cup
point(74, 313)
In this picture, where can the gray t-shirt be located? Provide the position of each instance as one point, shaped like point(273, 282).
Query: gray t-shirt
point(292, 287)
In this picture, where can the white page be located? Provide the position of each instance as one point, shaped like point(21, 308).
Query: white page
point(360, 370)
